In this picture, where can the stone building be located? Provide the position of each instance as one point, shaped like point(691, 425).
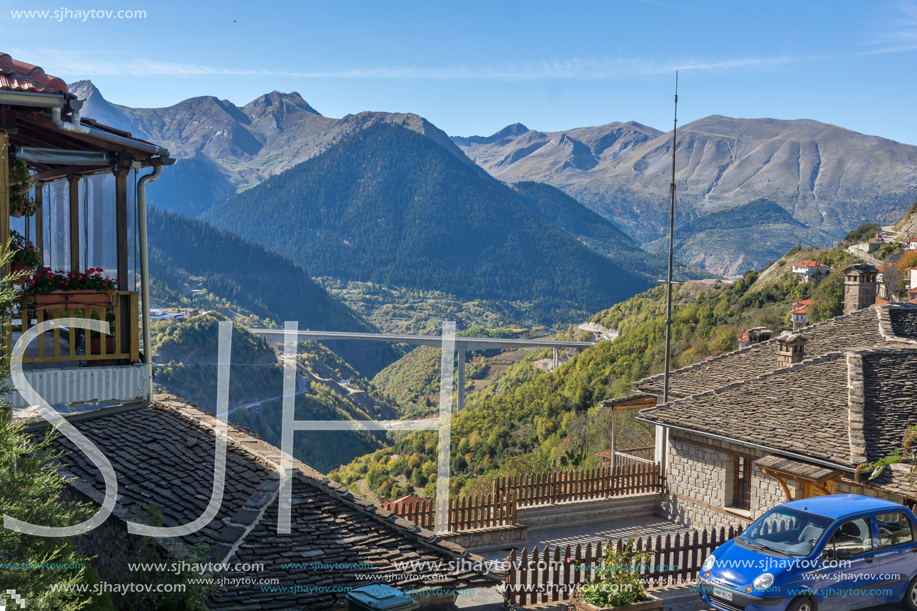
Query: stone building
point(861, 287)
point(787, 419)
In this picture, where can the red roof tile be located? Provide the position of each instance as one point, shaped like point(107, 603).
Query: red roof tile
point(810, 263)
point(802, 307)
point(16, 75)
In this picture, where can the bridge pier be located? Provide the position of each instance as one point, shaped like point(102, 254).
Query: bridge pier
point(460, 380)
point(556, 359)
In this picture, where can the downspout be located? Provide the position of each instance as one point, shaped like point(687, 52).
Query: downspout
point(73, 126)
point(145, 277)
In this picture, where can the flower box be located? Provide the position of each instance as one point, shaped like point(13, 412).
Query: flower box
point(652, 603)
point(73, 299)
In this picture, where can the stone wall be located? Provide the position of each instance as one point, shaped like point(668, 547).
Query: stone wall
point(699, 483)
point(588, 511)
point(489, 539)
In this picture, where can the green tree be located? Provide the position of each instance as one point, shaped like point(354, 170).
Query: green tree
point(828, 298)
point(30, 488)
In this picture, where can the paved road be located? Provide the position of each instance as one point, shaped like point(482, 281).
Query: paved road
point(303, 389)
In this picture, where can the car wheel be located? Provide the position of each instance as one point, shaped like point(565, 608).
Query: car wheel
point(910, 596)
point(804, 603)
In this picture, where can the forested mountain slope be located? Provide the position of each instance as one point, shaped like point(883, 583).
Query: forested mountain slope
point(390, 206)
point(239, 275)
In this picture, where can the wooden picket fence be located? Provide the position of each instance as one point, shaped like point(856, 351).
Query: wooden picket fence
point(465, 513)
point(552, 574)
point(600, 482)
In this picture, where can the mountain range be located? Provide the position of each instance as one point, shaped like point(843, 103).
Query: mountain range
point(827, 178)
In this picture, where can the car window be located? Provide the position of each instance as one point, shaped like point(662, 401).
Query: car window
point(854, 535)
point(894, 528)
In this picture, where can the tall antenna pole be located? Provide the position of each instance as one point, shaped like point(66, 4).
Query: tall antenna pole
point(668, 285)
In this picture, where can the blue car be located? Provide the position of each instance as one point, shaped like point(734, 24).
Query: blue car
point(829, 553)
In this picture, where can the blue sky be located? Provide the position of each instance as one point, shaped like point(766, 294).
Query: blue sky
point(473, 67)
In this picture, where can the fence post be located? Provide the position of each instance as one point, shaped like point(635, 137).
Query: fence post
point(512, 579)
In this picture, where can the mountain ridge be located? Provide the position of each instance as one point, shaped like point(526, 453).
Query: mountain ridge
point(829, 178)
point(390, 206)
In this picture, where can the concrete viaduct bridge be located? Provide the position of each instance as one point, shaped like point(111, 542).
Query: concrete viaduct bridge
point(462, 345)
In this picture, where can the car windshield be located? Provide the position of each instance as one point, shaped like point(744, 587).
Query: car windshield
point(785, 531)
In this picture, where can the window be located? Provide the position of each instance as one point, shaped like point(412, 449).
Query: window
point(787, 531)
point(855, 536)
point(894, 529)
point(741, 483)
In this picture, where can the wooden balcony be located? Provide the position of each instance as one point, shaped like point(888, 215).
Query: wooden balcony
point(62, 345)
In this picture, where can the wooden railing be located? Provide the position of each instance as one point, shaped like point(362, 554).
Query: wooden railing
point(82, 346)
point(552, 574)
point(646, 453)
point(564, 486)
point(465, 513)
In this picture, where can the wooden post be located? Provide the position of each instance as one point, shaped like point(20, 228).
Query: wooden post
point(460, 379)
point(5, 224)
point(614, 433)
point(123, 255)
point(74, 222)
point(40, 219)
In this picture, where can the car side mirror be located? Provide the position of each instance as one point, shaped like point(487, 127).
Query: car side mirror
point(844, 554)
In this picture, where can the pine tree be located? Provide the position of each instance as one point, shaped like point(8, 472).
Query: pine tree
point(30, 488)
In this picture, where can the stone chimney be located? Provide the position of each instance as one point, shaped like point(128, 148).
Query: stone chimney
point(790, 349)
point(860, 287)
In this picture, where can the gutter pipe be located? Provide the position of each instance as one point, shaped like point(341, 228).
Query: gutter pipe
point(37, 100)
point(809, 459)
point(74, 126)
point(145, 277)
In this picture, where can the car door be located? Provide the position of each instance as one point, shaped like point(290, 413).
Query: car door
point(848, 560)
point(896, 555)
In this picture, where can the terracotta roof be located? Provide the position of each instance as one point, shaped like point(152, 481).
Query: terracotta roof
point(164, 455)
point(876, 326)
point(802, 307)
point(17, 75)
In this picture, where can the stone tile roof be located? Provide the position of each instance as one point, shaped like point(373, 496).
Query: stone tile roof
point(164, 455)
point(890, 397)
point(872, 327)
point(845, 408)
point(903, 321)
point(798, 409)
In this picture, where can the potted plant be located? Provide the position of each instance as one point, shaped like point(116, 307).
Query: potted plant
point(59, 289)
point(619, 581)
point(20, 180)
point(26, 258)
point(95, 337)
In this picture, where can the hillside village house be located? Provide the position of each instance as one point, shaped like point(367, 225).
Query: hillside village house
point(754, 336)
point(790, 417)
point(799, 315)
point(910, 244)
point(808, 269)
point(162, 449)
